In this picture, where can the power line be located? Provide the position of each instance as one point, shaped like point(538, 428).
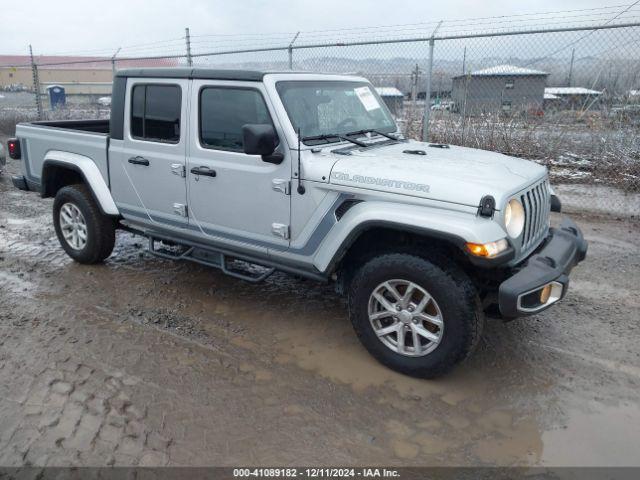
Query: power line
point(569, 45)
point(271, 41)
point(111, 50)
point(547, 25)
point(311, 36)
point(417, 39)
point(430, 23)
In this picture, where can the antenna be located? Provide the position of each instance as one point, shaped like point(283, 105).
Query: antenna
point(301, 188)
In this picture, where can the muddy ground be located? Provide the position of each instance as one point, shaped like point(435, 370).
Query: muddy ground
point(153, 362)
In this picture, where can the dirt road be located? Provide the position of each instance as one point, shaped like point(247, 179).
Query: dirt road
point(152, 362)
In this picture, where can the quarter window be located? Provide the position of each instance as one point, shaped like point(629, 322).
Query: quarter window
point(155, 113)
point(223, 112)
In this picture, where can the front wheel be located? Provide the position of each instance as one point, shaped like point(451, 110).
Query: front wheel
point(87, 235)
point(414, 316)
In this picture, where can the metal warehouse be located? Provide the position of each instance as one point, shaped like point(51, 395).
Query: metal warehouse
point(500, 88)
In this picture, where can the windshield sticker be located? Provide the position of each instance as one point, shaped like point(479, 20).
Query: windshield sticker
point(369, 102)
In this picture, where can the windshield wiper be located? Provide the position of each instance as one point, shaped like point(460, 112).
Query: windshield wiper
point(329, 136)
point(371, 130)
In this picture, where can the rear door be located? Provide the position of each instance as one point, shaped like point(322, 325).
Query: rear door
point(248, 199)
point(148, 172)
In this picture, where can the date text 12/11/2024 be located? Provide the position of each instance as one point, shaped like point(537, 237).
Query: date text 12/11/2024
point(315, 473)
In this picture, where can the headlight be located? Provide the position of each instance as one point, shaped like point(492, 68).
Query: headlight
point(514, 218)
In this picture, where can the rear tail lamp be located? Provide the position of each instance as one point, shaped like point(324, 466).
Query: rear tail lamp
point(13, 145)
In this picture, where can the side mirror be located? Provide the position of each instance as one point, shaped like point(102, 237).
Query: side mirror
point(261, 139)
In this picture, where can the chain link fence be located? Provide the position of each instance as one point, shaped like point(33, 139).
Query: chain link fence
point(562, 93)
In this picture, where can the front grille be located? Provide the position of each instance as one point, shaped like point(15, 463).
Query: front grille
point(537, 204)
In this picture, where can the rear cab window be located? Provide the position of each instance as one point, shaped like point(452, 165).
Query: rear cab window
point(155, 112)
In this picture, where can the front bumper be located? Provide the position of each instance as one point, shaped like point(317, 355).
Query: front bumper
point(550, 266)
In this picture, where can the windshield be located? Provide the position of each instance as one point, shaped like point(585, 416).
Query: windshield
point(329, 108)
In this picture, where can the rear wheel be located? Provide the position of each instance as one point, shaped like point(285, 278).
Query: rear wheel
point(83, 231)
point(414, 316)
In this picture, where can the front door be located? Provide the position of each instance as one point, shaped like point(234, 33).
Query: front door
point(148, 172)
point(235, 197)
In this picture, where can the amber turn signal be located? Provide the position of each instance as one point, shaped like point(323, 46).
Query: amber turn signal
point(487, 250)
point(545, 293)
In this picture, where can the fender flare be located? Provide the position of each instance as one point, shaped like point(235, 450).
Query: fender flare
point(89, 172)
point(456, 227)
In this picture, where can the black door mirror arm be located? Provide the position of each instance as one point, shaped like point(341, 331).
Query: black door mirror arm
point(276, 158)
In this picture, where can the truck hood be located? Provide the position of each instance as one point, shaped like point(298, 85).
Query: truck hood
point(455, 174)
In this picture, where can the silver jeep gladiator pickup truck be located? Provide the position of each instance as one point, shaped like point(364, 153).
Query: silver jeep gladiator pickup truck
point(308, 174)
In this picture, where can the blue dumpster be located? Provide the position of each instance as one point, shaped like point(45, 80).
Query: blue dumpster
point(57, 96)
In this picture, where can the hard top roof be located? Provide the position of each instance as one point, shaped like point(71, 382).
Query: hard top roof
point(200, 72)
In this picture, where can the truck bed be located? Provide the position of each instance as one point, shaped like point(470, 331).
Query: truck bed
point(91, 126)
point(89, 138)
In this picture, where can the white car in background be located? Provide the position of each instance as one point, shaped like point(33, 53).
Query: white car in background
point(442, 106)
point(104, 101)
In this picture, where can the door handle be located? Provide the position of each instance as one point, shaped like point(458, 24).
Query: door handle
point(138, 160)
point(206, 171)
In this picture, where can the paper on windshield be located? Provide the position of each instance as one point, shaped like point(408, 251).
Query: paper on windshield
point(369, 102)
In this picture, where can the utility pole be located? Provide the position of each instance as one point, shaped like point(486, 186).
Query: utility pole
point(113, 62)
point(36, 83)
point(464, 60)
point(427, 100)
point(464, 107)
point(290, 50)
point(427, 93)
point(415, 78)
point(187, 38)
point(569, 78)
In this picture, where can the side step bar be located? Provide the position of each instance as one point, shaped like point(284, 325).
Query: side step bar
point(209, 258)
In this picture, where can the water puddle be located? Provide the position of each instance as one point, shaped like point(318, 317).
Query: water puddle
point(602, 436)
point(14, 283)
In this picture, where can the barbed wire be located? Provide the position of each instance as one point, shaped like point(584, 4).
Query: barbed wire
point(283, 41)
point(420, 24)
point(125, 47)
point(383, 32)
point(450, 27)
point(247, 47)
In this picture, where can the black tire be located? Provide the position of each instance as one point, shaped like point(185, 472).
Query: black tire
point(101, 234)
point(451, 289)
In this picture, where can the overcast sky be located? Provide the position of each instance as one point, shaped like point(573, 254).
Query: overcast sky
point(67, 26)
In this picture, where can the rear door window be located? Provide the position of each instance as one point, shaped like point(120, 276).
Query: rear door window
point(155, 113)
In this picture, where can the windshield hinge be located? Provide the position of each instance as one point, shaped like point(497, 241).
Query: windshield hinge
point(487, 206)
